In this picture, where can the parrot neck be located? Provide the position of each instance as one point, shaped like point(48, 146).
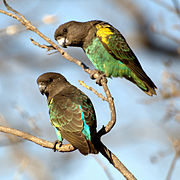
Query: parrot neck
point(56, 90)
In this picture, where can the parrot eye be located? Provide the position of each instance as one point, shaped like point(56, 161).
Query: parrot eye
point(65, 30)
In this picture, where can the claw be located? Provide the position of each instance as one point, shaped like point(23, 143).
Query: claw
point(93, 72)
point(98, 80)
point(57, 142)
point(100, 76)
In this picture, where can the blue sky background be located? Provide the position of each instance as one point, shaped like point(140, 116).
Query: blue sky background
point(139, 139)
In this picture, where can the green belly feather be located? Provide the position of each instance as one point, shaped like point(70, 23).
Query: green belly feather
point(105, 62)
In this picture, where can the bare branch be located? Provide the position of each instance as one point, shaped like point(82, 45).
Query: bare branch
point(41, 142)
point(68, 148)
point(108, 174)
point(176, 6)
point(176, 156)
point(165, 34)
point(93, 90)
point(144, 33)
point(49, 48)
point(11, 15)
point(42, 46)
point(115, 161)
point(112, 122)
point(176, 146)
point(13, 10)
point(165, 5)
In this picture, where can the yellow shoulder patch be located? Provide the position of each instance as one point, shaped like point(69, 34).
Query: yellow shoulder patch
point(103, 31)
point(51, 101)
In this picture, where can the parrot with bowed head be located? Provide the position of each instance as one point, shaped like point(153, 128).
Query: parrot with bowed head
point(107, 49)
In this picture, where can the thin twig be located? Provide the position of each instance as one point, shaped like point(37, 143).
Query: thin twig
point(23, 165)
point(176, 146)
point(176, 6)
point(14, 11)
point(165, 34)
point(115, 161)
point(112, 122)
point(108, 174)
point(42, 46)
point(93, 90)
point(49, 48)
point(176, 156)
point(168, 35)
point(165, 5)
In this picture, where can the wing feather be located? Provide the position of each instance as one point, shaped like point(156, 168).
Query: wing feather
point(117, 46)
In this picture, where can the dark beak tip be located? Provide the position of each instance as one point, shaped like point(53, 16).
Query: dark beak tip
point(42, 88)
point(42, 92)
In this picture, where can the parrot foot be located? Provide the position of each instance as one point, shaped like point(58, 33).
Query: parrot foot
point(57, 142)
point(99, 78)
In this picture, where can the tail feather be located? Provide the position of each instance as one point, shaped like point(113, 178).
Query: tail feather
point(77, 139)
point(135, 74)
point(150, 89)
point(150, 86)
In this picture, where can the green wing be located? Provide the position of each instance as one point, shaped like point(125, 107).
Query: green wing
point(66, 112)
point(88, 110)
point(79, 98)
point(62, 112)
point(117, 46)
point(89, 114)
point(65, 116)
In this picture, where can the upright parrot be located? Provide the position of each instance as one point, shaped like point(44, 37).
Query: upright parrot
point(107, 49)
point(71, 111)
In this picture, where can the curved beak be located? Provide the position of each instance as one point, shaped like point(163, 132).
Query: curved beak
point(42, 88)
point(62, 41)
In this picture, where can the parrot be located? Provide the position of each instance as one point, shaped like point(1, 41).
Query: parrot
point(71, 112)
point(107, 49)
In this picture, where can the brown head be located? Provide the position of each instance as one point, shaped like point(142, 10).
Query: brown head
point(51, 84)
point(73, 33)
